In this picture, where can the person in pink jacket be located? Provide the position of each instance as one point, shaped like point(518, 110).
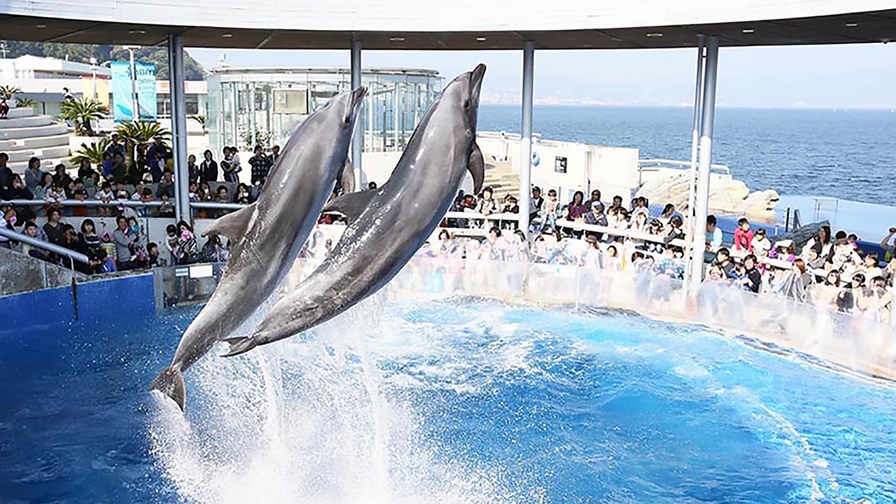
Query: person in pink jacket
point(743, 236)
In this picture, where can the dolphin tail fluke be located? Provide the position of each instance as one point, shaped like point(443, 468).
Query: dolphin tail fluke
point(476, 166)
point(171, 383)
point(240, 345)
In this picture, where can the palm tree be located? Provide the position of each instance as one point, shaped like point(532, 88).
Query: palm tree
point(25, 103)
point(92, 152)
point(81, 112)
point(136, 134)
point(200, 119)
point(8, 91)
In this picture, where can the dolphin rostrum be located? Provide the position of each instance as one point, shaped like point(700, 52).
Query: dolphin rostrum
point(387, 226)
point(266, 236)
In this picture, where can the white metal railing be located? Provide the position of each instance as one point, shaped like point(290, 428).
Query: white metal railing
point(84, 203)
point(657, 164)
point(50, 247)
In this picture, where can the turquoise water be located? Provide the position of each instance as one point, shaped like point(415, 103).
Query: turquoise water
point(833, 153)
point(467, 401)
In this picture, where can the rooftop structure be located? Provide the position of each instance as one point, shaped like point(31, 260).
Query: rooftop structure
point(456, 25)
point(263, 105)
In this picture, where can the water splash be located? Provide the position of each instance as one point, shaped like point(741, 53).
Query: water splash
point(310, 420)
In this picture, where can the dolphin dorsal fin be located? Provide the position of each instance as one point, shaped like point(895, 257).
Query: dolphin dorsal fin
point(352, 204)
point(232, 225)
point(476, 166)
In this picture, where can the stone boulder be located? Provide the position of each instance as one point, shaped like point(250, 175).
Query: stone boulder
point(726, 196)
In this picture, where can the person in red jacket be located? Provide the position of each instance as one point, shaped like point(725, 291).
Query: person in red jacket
point(743, 236)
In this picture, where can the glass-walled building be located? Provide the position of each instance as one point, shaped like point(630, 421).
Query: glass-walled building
point(250, 106)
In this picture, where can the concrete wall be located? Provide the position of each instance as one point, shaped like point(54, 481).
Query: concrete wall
point(56, 309)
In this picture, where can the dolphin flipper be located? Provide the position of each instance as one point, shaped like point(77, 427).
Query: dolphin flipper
point(232, 225)
point(476, 165)
point(347, 177)
point(240, 345)
point(351, 205)
point(171, 383)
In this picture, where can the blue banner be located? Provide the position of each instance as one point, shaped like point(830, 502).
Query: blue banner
point(122, 91)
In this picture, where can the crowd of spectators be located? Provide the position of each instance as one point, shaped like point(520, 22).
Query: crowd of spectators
point(830, 270)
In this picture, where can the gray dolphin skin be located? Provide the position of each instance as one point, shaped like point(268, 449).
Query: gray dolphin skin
point(387, 226)
point(266, 236)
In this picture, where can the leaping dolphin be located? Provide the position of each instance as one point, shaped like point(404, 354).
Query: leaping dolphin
point(387, 226)
point(267, 235)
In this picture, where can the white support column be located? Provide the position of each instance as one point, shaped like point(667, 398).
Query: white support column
point(705, 157)
point(179, 126)
point(358, 138)
point(525, 163)
point(252, 127)
point(693, 250)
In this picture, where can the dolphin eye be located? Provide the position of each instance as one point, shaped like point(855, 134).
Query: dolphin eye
point(466, 104)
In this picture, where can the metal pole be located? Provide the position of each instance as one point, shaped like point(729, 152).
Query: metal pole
point(358, 138)
point(252, 115)
point(705, 161)
point(234, 116)
point(135, 113)
point(525, 163)
point(693, 250)
point(179, 126)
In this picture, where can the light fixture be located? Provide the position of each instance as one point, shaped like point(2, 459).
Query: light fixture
point(654, 35)
point(226, 35)
point(396, 39)
point(41, 26)
point(137, 32)
point(480, 39)
point(748, 30)
point(852, 25)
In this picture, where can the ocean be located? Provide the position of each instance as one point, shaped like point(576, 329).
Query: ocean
point(847, 154)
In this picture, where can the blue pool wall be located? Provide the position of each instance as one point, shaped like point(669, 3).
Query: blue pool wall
point(130, 296)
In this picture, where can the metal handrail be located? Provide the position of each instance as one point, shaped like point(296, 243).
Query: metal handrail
point(217, 205)
point(83, 203)
point(618, 232)
point(50, 247)
point(673, 164)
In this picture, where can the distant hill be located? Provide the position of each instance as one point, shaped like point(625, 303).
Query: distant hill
point(82, 53)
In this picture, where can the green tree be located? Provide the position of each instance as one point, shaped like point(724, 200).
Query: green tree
point(92, 152)
point(81, 112)
point(82, 53)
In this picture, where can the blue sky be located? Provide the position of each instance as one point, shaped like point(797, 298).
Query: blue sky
point(845, 76)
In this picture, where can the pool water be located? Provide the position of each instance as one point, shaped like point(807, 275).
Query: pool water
point(464, 402)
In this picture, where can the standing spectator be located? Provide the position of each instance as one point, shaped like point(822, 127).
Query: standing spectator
point(230, 165)
point(54, 228)
point(67, 95)
point(157, 154)
point(118, 172)
point(33, 174)
point(193, 171)
point(123, 244)
point(208, 168)
point(550, 212)
point(275, 155)
point(18, 191)
point(5, 173)
point(185, 249)
point(171, 243)
point(4, 107)
point(114, 147)
point(7, 221)
point(261, 166)
point(743, 236)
